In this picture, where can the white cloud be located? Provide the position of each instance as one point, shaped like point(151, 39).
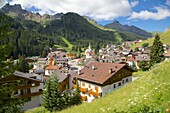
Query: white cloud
point(134, 3)
point(168, 2)
point(96, 9)
point(2, 3)
point(161, 13)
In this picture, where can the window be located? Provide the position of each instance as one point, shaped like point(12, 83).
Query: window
point(83, 84)
point(25, 91)
point(127, 80)
point(114, 86)
point(123, 81)
point(16, 92)
point(96, 88)
point(27, 99)
point(119, 83)
point(29, 82)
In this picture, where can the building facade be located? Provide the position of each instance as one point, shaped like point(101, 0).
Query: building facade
point(98, 79)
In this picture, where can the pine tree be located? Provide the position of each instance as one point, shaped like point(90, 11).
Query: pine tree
point(52, 96)
point(157, 50)
point(77, 97)
point(23, 66)
point(8, 102)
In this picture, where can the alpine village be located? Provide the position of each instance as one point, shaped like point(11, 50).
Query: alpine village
point(69, 63)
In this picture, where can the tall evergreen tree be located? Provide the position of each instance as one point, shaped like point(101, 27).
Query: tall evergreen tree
point(23, 66)
point(8, 102)
point(52, 96)
point(157, 51)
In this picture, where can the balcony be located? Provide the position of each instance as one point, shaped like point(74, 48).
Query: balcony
point(81, 89)
point(90, 92)
point(84, 98)
point(27, 86)
point(31, 94)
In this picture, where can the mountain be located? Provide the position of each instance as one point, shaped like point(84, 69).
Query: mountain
point(128, 29)
point(16, 11)
point(148, 94)
point(32, 38)
point(75, 28)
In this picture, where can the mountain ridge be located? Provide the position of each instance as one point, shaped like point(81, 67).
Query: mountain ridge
point(130, 29)
point(16, 11)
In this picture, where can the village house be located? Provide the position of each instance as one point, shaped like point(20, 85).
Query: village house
point(167, 54)
point(141, 57)
point(97, 79)
point(51, 68)
point(27, 87)
point(41, 62)
point(71, 55)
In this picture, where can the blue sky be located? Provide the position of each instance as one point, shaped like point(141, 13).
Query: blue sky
point(150, 15)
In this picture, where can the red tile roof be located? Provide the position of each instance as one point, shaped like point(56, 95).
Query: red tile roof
point(101, 72)
point(52, 68)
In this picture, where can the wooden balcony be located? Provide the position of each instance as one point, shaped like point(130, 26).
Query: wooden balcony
point(83, 89)
point(31, 94)
point(90, 92)
point(84, 98)
point(27, 86)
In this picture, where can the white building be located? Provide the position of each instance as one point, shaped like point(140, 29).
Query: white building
point(51, 68)
point(88, 52)
point(98, 79)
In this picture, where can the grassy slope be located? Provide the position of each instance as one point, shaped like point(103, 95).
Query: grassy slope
point(69, 48)
point(165, 38)
point(152, 89)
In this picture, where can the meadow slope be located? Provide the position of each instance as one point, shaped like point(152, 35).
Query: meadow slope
point(149, 93)
point(164, 37)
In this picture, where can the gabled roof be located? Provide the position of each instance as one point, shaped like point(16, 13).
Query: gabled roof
point(100, 72)
point(18, 76)
point(142, 57)
point(42, 59)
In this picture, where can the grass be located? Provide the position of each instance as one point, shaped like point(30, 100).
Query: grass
point(69, 45)
point(150, 91)
point(165, 38)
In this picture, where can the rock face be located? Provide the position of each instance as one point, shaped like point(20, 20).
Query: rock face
point(17, 11)
point(126, 28)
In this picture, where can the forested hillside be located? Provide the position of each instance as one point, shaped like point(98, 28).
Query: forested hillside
point(32, 38)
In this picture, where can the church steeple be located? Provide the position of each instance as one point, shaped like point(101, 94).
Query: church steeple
point(89, 46)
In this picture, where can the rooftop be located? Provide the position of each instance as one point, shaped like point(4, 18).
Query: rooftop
point(98, 72)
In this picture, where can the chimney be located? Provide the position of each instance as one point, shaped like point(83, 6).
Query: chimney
point(93, 67)
point(51, 62)
point(79, 72)
point(51, 50)
point(110, 70)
